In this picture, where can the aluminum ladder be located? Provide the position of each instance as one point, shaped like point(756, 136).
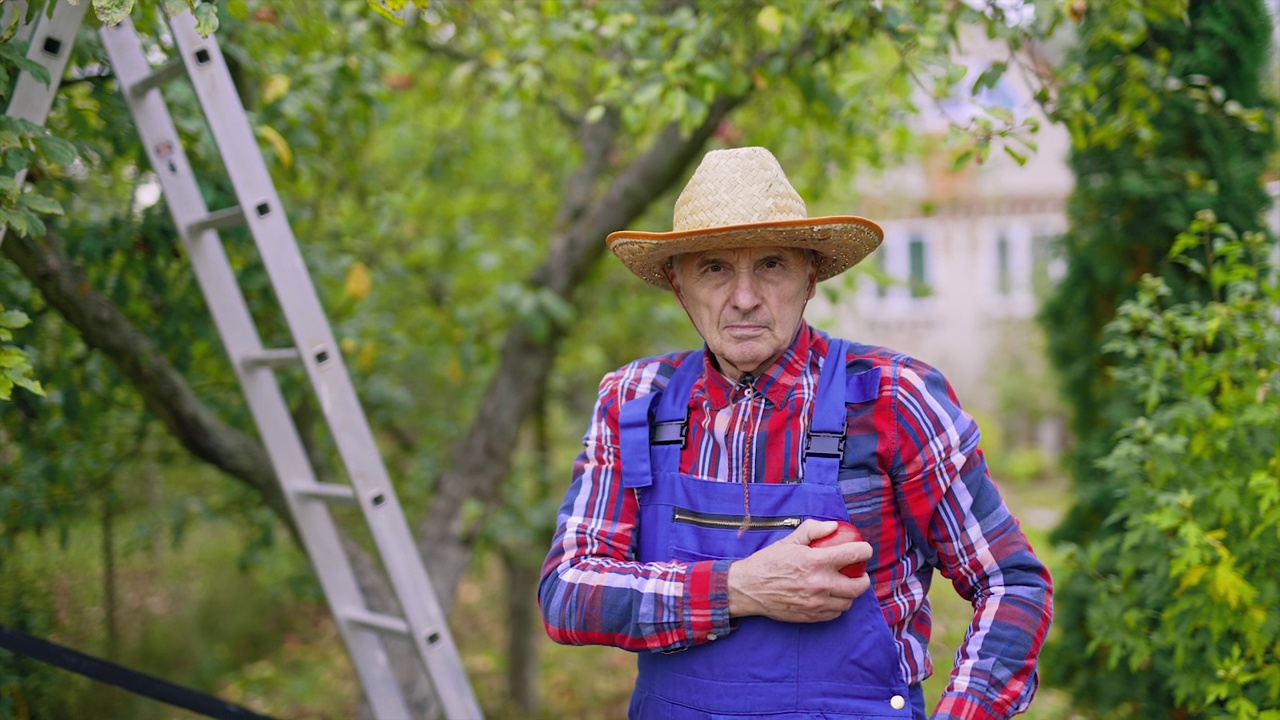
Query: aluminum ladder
point(200, 59)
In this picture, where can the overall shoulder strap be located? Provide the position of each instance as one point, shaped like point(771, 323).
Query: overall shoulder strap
point(654, 427)
point(824, 444)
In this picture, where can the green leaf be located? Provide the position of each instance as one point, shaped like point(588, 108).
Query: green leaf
point(18, 222)
point(206, 18)
point(38, 71)
point(56, 150)
point(41, 204)
point(770, 20)
point(111, 12)
point(35, 226)
point(31, 385)
point(1017, 156)
point(14, 319)
point(989, 77)
point(385, 12)
point(238, 9)
point(8, 185)
point(595, 113)
point(1001, 114)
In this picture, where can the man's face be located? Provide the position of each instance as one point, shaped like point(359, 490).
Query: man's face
point(746, 303)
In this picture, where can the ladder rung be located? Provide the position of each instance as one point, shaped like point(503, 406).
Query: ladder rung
point(216, 220)
point(326, 491)
point(161, 75)
point(377, 621)
point(272, 357)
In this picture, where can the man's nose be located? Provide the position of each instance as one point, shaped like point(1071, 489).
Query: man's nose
point(746, 290)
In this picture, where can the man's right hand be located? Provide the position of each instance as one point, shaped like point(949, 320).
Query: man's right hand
point(792, 582)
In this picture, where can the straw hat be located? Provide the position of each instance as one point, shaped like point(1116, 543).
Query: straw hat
point(741, 198)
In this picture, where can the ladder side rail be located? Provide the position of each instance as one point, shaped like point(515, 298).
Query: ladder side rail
point(324, 364)
point(51, 41)
point(218, 283)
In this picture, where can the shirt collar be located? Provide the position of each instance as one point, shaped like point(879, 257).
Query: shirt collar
point(776, 382)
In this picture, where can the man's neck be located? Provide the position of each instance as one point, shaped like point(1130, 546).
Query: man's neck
point(737, 375)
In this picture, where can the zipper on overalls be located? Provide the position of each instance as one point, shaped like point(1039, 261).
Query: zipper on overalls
point(734, 522)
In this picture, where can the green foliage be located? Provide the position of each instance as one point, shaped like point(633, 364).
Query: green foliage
point(185, 613)
point(21, 208)
point(26, 605)
point(424, 167)
point(1170, 111)
point(1140, 182)
point(15, 366)
point(1182, 590)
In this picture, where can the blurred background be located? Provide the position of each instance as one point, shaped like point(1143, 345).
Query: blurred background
point(1081, 202)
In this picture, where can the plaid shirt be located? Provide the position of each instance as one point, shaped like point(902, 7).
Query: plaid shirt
point(913, 479)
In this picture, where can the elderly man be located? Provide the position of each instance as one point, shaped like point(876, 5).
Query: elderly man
point(688, 533)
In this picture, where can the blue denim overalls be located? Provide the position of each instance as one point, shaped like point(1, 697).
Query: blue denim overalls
point(843, 668)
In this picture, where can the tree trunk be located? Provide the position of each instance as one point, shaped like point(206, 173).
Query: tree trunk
point(523, 629)
point(478, 463)
point(482, 459)
point(166, 393)
point(164, 390)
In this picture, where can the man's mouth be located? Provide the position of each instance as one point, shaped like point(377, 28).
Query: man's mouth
point(744, 330)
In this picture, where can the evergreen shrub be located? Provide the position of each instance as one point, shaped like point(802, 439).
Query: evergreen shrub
point(1183, 594)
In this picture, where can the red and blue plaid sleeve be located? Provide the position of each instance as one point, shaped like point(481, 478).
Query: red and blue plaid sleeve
point(593, 591)
point(947, 492)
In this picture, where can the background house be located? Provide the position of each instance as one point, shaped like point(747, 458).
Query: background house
point(966, 258)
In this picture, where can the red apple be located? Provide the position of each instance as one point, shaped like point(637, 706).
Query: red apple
point(844, 533)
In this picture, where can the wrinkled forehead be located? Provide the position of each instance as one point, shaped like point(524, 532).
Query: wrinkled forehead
point(742, 254)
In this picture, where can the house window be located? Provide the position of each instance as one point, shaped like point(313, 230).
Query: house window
point(918, 267)
point(1004, 283)
point(1043, 267)
point(882, 273)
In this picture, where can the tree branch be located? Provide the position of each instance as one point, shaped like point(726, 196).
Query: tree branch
point(481, 461)
point(164, 390)
point(166, 393)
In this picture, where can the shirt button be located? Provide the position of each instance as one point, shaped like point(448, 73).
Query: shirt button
point(897, 702)
point(747, 393)
point(712, 636)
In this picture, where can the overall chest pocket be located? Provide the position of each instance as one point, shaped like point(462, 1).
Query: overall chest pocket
point(699, 535)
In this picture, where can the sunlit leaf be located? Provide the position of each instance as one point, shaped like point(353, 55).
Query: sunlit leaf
point(206, 18)
point(275, 87)
point(359, 281)
point(111, 12)
point(770, 19)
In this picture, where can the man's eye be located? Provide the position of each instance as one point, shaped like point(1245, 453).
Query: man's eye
point(714, 268)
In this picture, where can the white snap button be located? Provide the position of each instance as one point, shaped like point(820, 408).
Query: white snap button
point(712, 636)
point(897, 702)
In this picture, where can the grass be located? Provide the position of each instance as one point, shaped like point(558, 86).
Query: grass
point(263, 637)
point(187, 614)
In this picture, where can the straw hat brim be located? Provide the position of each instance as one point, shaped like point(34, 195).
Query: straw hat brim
point(840, 242)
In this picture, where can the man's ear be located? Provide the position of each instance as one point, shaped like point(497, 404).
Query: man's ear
point(675, 290)
point(670, 271)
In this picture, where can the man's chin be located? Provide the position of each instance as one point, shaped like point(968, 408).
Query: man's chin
point(748, 361)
